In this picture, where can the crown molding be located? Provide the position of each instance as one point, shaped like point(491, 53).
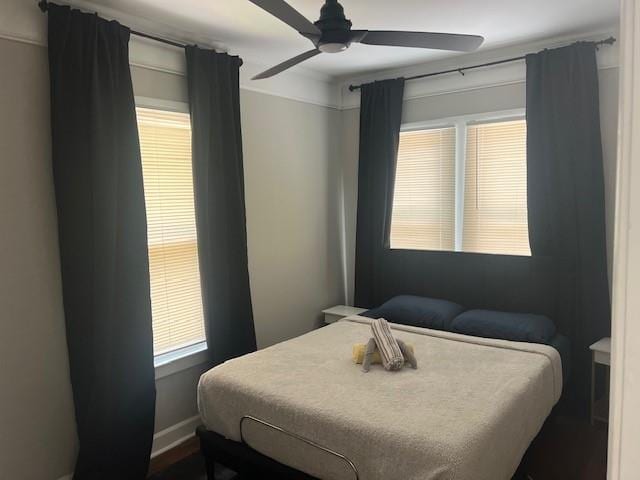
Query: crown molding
point(292, 85)
point(22, 21)
point(504, 74)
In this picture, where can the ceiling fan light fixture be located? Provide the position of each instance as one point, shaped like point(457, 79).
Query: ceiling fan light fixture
point(332, 33)
point(333, 47)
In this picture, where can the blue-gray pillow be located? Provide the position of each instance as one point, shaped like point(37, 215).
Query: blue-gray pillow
point(417, 311)
point(518, 327)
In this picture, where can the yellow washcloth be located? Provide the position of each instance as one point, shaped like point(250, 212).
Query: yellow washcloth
point(360, 348)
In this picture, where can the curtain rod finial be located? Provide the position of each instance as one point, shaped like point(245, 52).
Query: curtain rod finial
point(43, 5)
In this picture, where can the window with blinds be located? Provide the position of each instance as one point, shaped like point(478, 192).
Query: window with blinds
point(423, 215)
point(495, 189)
point(463, 187)
point(176, 298)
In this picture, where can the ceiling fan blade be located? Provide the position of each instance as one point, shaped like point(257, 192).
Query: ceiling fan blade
point(288, 64)
point(289, 15)
point(436, 41)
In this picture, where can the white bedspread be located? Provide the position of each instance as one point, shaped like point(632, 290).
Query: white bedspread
point(468, 412)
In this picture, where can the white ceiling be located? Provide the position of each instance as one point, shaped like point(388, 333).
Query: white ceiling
point(247, 30)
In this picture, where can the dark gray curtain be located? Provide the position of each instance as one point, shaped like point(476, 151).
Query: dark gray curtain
point(103, 244)
point(214, 101)
point(380, 117)
point(566, 190)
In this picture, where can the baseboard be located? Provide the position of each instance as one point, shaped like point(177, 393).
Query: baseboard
point(174, 435)
point(67, 477)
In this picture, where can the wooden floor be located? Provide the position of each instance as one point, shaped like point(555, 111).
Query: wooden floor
point(566, 449)
point(164, 461)
point(185, 463)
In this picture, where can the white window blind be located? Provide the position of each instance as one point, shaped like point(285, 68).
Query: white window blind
point(423, 216)
point(176, 299)
point(495, 193)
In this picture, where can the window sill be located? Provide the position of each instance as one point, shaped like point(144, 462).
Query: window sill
point(173, 362)
point(457, 252)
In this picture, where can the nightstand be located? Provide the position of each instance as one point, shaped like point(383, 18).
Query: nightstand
point(600, 355)
point(334, 314)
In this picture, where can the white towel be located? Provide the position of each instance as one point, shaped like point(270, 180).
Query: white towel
point(390, 352)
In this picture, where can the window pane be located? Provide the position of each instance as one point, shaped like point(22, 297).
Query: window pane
point(495, 195)
point(176, 300)
point(424, 196)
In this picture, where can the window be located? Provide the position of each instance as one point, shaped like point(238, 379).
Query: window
point(176, 298)
point(495, 189)
point(424, 195)
point(463, 187)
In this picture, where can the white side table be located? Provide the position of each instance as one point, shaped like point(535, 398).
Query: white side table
point(334, 314)
point(600, 355)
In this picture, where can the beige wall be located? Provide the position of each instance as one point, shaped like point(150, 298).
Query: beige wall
point(37, 425)
point(609, 127)
point(291, 175)
point(490, 99)
point(298, 158)
point(292, 213)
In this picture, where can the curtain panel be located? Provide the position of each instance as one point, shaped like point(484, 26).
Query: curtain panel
point(214, 101)
point(103, 244)
point(380, 117)
point(566, 191)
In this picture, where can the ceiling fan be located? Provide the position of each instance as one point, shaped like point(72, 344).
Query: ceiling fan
point(333, 34)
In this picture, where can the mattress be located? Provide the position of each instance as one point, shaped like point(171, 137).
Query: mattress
point(469, 411)
point(563, 346)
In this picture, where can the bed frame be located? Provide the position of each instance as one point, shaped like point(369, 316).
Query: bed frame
point(242, 459)
point(250, 464)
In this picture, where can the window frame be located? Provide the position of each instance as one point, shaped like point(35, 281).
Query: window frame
point(161, 104)
point(460, 123)
point(182, 358)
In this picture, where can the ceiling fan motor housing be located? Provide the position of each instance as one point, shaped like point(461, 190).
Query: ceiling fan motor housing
point(335, 27)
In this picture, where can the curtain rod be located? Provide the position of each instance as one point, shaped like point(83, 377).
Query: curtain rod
point(461, 70)
point(44, 6)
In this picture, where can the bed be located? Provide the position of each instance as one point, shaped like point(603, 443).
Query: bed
point(469, 411)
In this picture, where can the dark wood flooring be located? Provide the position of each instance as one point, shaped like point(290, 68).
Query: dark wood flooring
point(566, 449)
point(185, 463)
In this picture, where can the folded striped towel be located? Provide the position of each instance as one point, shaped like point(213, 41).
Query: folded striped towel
point(359, 350)
point(388, 347)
